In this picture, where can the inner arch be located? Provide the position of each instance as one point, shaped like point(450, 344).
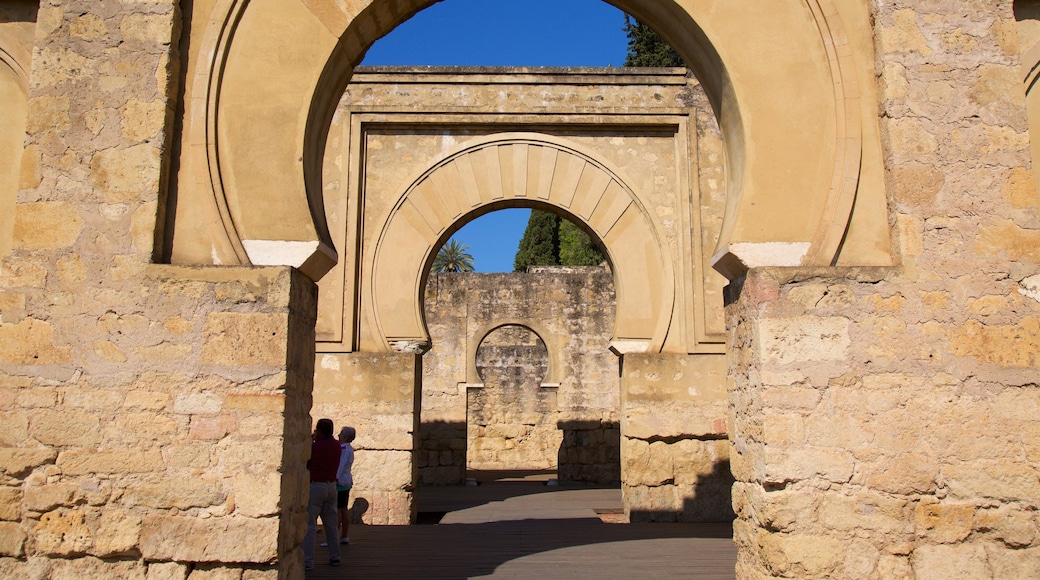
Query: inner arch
point(522, 169)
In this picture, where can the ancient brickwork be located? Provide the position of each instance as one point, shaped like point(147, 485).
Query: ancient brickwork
point(154, 418)
point(511, 419)
point(885, 420)
point(565, 419)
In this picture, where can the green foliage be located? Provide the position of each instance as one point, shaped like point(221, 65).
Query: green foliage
point(540, 245)
point(550, 240)
point(453, 257)
point(576, 247)
point(646, 48)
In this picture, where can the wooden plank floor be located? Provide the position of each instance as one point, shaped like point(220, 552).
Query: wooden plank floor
point(530, 530)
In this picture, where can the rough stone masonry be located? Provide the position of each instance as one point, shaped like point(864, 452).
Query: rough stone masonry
point(162, 231)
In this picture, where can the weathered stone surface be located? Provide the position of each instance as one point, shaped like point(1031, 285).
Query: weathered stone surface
point(174, 493)
point(46, 225)
point(961, 561)
point(10, 503)
point(185, 539)
point(18, 462)
point(12, 539)
point(245, 339)
point(31, 342)
point(114, 462)
point(123, 174)
point(63, 533)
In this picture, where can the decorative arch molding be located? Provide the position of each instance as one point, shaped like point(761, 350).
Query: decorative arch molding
point(795, 150)
point(522, 169)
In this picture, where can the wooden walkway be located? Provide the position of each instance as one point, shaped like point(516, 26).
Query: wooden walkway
point(530, 530)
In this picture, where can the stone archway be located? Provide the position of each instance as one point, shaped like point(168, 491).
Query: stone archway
point(800, 155)
point(520, 169)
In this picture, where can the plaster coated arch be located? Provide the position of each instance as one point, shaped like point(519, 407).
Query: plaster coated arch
point(14, 85)
point(521, 169)
point(786, 85)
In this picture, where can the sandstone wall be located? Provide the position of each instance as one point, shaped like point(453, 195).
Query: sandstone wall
point(154, 418)
point(561, 417)
point(885, 420)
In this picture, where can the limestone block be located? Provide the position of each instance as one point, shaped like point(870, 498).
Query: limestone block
point(117, 533)
point(941, 562)
point(31, 342)
point(79, 462)
point(63, 532)
point(944, 522)
point(153, 400)
point(47, 113)
point(227, 539)
point(1007, 563)
point(232, 338)
point(259, 455)
point(255, 403)
point(44, 498)
point(211, 427)
point(167, 571)
point(895, 567)
point(382, 470)
point(144, 429)
point(1014, 527)
point(191, 455)
point(12, 539)
point(198, 403)
point(14, 428)
point(10, 503)
point(92, 398)
point(864, 511)
point(807, 463)
point(141, 121)
point(257, 495)
point(46, 225)
point(18, 462)
point(804, 339)
point(1007, 481)
point(66, 428)
point(124, 175)
point(86, 567)
point(802, 556)
point(40, 397)
point(1015, 345)
point(174, 493)
point(905, 475)
point(150, 28)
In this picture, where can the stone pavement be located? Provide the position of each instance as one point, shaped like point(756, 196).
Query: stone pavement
point(528, 530)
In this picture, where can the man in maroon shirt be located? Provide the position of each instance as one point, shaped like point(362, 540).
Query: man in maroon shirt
point(323, 464)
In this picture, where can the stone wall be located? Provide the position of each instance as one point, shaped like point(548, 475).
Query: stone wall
point(886, 420)
point(154, 418)
point(567, 406)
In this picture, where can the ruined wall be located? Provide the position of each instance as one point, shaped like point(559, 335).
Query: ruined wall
point(572, 409)
point(153, 418)
point(510, 418)
point(885, 421)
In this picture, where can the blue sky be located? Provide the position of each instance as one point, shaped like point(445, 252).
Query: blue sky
point(504, 33)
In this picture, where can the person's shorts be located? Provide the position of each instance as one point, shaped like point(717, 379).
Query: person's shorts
point(342, 495)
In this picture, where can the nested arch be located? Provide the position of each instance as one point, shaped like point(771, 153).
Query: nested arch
point(786, 84)
point(550, 340)
point(521, 169)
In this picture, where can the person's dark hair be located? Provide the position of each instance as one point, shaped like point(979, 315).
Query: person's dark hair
point(325, 427)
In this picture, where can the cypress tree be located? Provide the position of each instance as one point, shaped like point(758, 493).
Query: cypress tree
point(576, 247)
point(647, 48)
point(540, 245)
